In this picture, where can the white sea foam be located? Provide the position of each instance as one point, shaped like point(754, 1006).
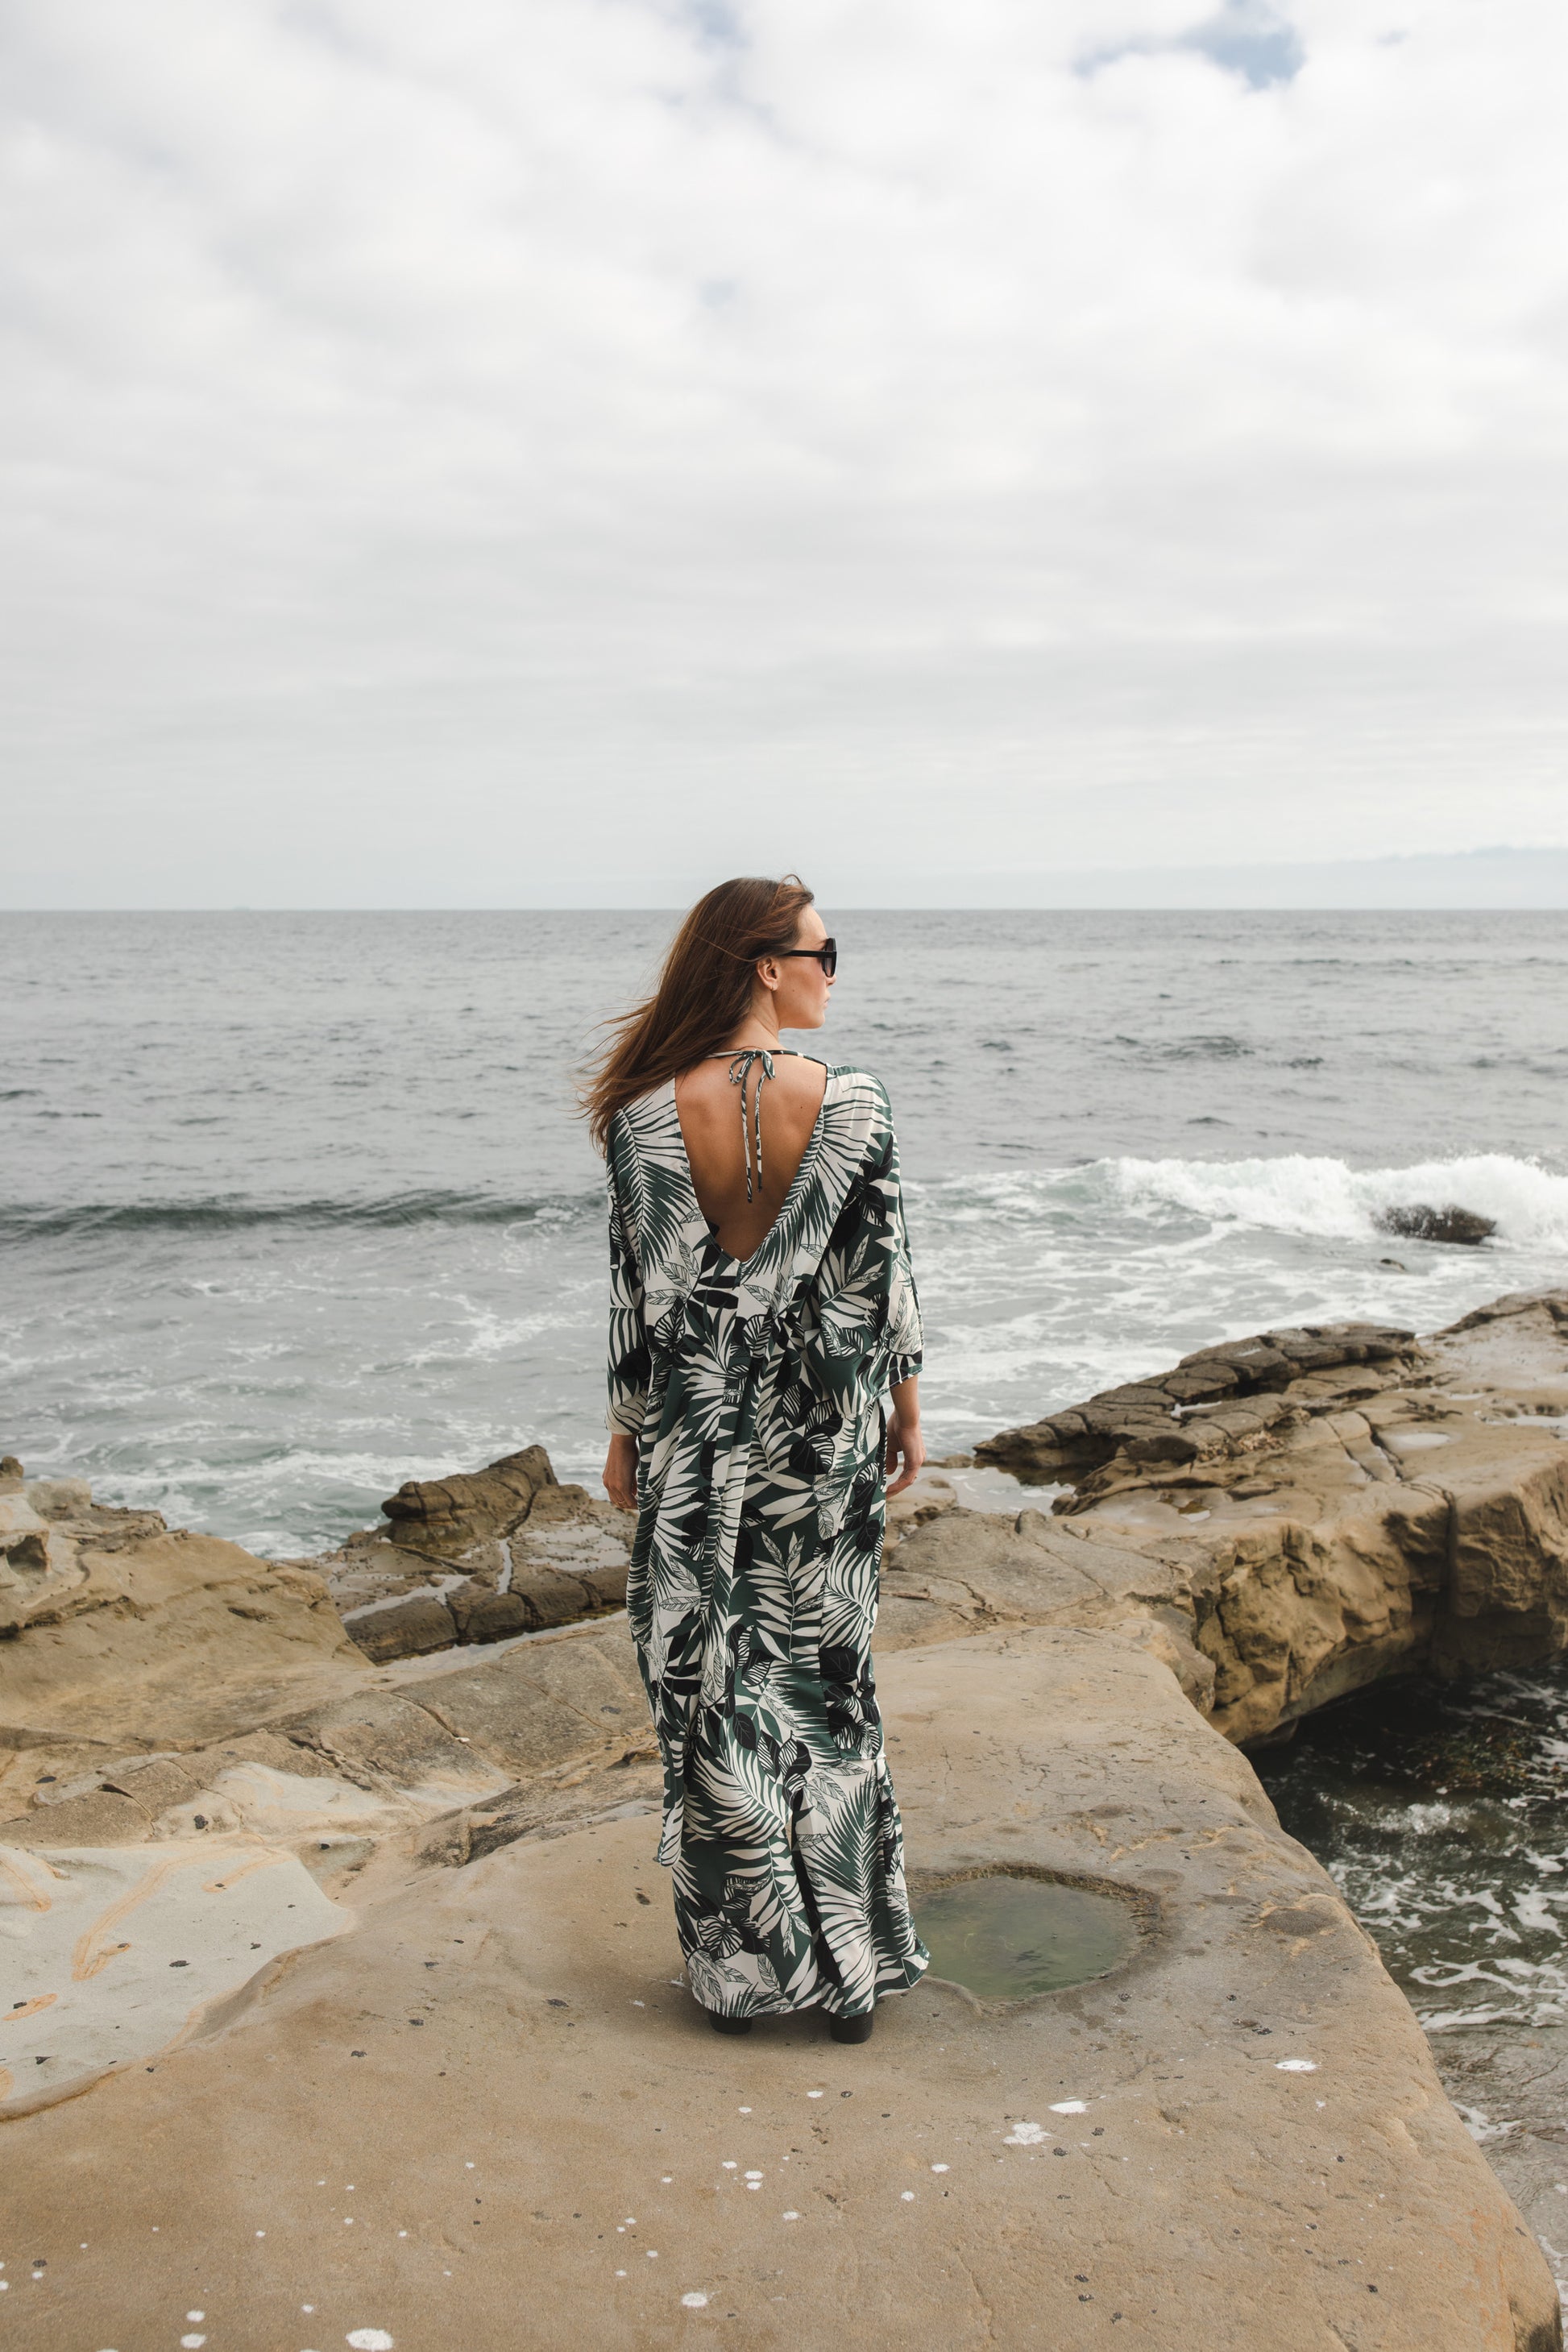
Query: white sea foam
point(1532, 1908)
point(1431, 1819)
point(1329, 1199)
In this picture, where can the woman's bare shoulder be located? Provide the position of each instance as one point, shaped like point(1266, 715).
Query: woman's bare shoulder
point(801, 1077)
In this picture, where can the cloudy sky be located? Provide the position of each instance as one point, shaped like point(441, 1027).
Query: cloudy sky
point(555, 454)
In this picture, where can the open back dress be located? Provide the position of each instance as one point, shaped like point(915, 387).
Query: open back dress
point(755, 1390)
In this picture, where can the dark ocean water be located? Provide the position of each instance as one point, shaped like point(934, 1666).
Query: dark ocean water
point(293, 1206)
point(1439, 1810)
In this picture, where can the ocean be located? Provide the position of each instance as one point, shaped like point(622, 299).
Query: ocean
point(295, 1206)
point(1438, 1809)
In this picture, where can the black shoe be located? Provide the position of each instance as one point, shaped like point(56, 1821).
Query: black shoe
point(853, 2028)
point(727, 2024)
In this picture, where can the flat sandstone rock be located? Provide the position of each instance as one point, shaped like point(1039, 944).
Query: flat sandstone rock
point(484, 2115)
point(165, 1638)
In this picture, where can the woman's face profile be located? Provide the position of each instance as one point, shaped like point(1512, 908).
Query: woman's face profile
point(802, 988)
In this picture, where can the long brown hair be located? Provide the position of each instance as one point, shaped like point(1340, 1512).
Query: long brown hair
point(704, 993)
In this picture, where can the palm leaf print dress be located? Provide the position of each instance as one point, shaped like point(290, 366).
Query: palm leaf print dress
point(755, 1390)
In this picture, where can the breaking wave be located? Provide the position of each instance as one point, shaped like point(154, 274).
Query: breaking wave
point(1330, 1199)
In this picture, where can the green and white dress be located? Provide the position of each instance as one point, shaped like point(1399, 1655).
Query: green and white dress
point(755, 1390)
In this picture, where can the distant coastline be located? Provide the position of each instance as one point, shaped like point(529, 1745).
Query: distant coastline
point(1476, 881)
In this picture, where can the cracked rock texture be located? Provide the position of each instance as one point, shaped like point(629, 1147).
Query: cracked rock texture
point(118, 1634)
point(507, 1549)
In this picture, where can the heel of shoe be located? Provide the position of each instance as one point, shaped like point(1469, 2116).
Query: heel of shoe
point(853, 2028)
point(727, 2024)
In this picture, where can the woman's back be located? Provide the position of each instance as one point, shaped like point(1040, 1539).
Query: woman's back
point(720, 1138)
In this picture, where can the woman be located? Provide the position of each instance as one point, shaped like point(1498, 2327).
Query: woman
point(761, 1307)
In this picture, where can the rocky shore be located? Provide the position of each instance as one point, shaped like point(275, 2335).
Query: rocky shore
point(341, 1968)
point(1323, 1507)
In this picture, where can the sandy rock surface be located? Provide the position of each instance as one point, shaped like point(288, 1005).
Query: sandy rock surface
point(113, 1957)
point(425, 1736)
point(120, 1637)
point(485, 2108)
point(135, 1898)
point(959, 1571)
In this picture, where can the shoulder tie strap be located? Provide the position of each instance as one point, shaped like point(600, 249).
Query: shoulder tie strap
point(740, 1065)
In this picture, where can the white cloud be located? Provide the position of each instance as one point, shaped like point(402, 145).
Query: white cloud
point(474, 454)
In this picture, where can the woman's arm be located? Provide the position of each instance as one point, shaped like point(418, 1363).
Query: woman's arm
point(905, 1444)
point(621, 1472)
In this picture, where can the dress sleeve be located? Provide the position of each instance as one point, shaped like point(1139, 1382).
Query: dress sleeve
point(629, 1366)
point(866, 1334)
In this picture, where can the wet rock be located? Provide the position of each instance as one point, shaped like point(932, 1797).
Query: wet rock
point(507, 1549)
point(1420, 1223)
point(1512, 2092)
point(403, 1625)
point(447, 1514)
point(1196, 1410)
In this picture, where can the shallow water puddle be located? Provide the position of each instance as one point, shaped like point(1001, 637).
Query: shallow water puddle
point(1005, 1937)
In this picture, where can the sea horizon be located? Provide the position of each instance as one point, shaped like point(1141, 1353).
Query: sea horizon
point(1522, 879)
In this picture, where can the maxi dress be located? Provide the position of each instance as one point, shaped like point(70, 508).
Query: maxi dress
point(755, 1390)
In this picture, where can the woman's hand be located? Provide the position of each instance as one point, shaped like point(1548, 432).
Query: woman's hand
point(621, 1473)
point(906, 1446)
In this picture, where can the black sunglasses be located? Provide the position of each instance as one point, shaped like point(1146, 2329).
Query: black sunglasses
point(826, 956)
